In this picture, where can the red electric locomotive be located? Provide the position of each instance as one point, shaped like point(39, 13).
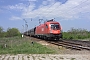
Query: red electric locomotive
point(50, 30)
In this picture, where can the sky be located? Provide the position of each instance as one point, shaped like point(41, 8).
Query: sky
point(69, 13)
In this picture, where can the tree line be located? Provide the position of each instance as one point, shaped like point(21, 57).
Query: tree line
point(76, 34)
point(10, 32)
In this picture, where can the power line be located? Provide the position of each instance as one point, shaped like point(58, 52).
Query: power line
point(68, 10)
point(40, 20)
point(48, 7)
point(81, 3)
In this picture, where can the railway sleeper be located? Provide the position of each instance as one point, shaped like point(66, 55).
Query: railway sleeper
point(53, 43)
point(60, 44)
point(79, 47)
point(71, 47)
point(72, 43)
point(64, 45)
point(82, 47)
point(76, 47)
point(87, 48)
point(67, 46)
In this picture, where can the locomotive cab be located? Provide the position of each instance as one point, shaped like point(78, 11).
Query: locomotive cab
point(54, 30)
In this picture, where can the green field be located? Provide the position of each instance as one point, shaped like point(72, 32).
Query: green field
point(18, 45)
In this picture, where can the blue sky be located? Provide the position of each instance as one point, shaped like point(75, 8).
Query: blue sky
point(69, 13)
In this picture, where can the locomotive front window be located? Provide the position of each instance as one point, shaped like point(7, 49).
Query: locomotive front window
point(55, 26)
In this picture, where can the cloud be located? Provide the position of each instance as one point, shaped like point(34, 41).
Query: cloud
point(72, 9)
point(19, 6)
point(44, 2)
point(22, 7)
point(41, 11)
point(69, 10)
point(15, 18)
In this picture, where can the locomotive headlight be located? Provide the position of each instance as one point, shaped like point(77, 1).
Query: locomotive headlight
point(50, 31)
point(49, 25)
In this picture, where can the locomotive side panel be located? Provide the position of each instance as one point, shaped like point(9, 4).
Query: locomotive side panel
point(42, 29)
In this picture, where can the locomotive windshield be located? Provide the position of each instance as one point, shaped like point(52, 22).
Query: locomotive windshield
point(55, 26)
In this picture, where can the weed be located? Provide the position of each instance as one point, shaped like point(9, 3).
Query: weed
point(61, 58)
point(43, 57)
point(28, 57)
point(72, 58)
point(13, 58)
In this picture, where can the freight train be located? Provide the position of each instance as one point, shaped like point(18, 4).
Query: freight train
point(48, 30)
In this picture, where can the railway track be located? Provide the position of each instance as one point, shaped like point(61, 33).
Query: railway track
point(69, 44)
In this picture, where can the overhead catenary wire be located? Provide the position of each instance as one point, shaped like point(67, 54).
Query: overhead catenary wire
point(47, 8)
point(83, 2)
point(40, 20)
point(68, 10)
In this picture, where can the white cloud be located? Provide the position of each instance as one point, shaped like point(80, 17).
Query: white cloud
point(19, 6)
point(15, 18)
point(45, 2)
point(69, 10)
point(22, 7)
point(72, 9)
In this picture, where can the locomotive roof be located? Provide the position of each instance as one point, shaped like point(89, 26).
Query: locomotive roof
point(48, 22)
point(51, 21)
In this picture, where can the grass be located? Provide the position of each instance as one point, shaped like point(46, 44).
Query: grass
point(67, 35)
point(17, 45)
point(72, 58)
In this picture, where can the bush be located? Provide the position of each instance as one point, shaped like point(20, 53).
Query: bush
point(76, 34)
point(70, 37)
point(2, 33)
point(10, 32)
